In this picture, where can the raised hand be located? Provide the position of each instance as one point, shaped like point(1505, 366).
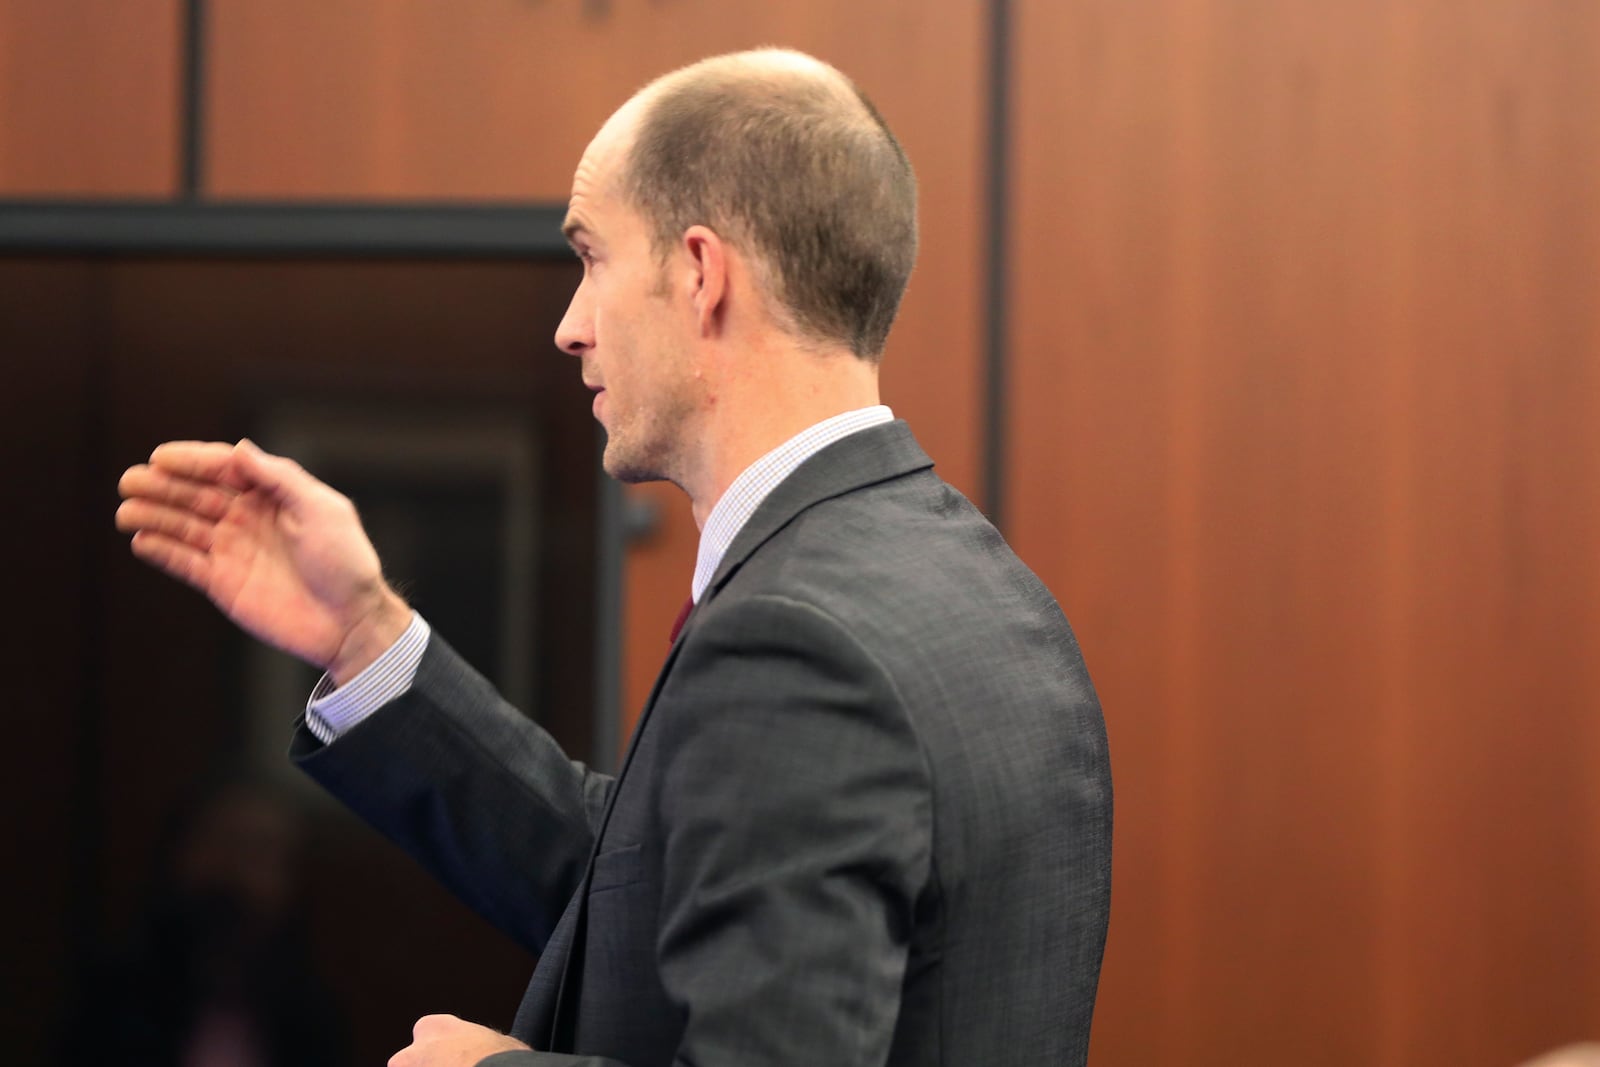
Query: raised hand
point(283, 555)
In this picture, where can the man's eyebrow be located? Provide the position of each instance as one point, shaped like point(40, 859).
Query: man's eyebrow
point(571, 229)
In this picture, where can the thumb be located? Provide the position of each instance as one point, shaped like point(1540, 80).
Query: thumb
point(253, 468)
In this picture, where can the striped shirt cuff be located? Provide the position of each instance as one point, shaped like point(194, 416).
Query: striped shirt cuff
point(334, 711)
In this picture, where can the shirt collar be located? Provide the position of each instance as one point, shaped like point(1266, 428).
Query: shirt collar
point(758, 480)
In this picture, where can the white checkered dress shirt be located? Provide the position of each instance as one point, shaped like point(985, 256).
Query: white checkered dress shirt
point(332, 712)
point(762, 477)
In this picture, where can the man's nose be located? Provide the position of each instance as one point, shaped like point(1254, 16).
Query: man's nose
point(575, 334)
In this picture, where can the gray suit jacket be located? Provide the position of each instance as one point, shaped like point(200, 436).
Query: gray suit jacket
point(865, 817)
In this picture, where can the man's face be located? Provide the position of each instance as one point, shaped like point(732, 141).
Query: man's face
point(622, 325)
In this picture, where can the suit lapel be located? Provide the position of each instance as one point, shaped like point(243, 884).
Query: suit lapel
point(855, 462)
point(548, 1002)
point(536, 1015)
point(862, 459)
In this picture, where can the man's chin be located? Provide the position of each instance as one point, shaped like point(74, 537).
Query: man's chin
point(629, 470)
point(633, 476)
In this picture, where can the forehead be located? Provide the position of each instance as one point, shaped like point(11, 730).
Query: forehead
point(596, 168)
point(593, 182)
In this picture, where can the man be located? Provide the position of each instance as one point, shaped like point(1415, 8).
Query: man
point(865, 815)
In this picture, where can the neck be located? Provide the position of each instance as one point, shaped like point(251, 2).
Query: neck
point(769, 401)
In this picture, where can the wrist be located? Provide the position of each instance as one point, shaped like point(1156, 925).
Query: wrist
point(370, 637)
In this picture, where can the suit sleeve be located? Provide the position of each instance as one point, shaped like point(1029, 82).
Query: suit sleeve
point(797, 811)
point(473, 790)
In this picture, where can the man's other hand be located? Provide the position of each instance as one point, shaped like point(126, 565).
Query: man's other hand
point(446, 1041)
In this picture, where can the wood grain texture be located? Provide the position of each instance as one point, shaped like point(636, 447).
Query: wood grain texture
point(1307, 411)
point(48, 345)
point(110, 357)
point(89, 97)
point(497, 99)
point(489, 99)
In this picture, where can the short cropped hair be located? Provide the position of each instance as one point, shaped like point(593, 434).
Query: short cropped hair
point(796, 168)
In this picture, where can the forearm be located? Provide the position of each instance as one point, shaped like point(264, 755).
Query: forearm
point(471, 789)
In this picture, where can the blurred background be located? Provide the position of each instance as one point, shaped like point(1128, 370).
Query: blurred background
point(1268, 330)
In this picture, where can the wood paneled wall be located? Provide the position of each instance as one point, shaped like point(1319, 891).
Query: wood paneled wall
point(1304, 423)
point(487, 99)
point(89, 97)
point(497, 99)
point(133, 686)
point(1307, 438)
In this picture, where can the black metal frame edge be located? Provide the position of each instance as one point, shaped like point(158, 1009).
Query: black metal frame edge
point(191, 160)
point(471, 231)
point(997, 210)
point(314, 230)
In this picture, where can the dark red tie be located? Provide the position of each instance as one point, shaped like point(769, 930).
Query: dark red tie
point(677, 624)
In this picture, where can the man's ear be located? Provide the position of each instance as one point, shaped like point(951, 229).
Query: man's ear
point(709, 256)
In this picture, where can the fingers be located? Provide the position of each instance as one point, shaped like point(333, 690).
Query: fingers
point(426, 1035)
point(237, 467)
point(181, 561)
point(200, 461)
point(205, 499)
point(445, 1041)
point(433, 1025)
point(138, 515)
point(277, 475)
point(171, 506)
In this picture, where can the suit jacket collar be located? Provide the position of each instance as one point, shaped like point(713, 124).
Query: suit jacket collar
point(873, 455)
